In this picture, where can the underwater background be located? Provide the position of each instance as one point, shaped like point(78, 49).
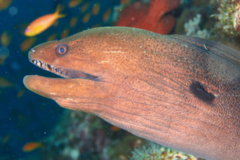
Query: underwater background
point(33, 127)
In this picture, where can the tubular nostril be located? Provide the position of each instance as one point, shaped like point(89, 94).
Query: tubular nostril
point(33, 50)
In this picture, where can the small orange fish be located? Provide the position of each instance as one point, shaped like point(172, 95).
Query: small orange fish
point(21, 92)
point(73, 21)
point(6, 138)
point(42, 23)
point(74, 3)
point(84, 7)
point(65, 33)
point(96, 9)
point(4, 4)
point(86, 17)
point(30, 146)
point(4, 83)
point(107, 14)
point(5, 39)
point(27, 44)
point(52, 37)
point(114, 129)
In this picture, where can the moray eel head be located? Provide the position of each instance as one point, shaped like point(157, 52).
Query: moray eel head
point(89, 68)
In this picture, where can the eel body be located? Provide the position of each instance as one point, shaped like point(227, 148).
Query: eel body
point(181, 92)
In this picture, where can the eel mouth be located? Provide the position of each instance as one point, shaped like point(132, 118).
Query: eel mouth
point(64, 72)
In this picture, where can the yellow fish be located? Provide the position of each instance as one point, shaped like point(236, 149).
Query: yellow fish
point(42, 23)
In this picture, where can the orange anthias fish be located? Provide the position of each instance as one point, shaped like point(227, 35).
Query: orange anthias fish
point(96, 9)
point(27, 44)
point(5, 38)
point(4, 4)
point(181, 92)
point(4, 83)
point(74, 3)
point(114, 128)
point(151, 18)
point(106, 15)
point(42, 23)
point(30, 146)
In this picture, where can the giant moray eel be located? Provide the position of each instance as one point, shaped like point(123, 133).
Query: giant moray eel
point(181, 92)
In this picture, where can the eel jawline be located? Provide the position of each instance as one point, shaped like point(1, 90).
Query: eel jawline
point(64, 72)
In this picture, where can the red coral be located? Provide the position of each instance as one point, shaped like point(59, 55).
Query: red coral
point(152, 18)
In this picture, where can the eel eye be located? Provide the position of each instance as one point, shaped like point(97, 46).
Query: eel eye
point(61, 49)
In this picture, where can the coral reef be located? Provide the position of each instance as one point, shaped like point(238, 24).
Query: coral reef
point(195, 19)
point(77, 136)
point(228, 17)
point(153, 151)
point(150, 17)
point(84, 136)
point(192, 28)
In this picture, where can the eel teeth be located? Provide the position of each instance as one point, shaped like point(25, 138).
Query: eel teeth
point(42, 65)
point(49, 67)
point(64, 72)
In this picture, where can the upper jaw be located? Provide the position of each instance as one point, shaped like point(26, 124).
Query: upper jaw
point(64, 72)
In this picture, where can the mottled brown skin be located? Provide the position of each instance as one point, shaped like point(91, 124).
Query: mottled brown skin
point(146, 86)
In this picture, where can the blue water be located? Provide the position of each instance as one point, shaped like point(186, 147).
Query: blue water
point(27, 118)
